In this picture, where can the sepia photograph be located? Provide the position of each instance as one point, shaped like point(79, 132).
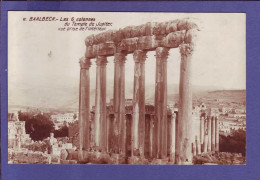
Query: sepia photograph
point(126, 88)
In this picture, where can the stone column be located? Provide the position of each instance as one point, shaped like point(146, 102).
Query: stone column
point(205, 147)
point(217, 134)
point(111, 134)
point(198, 145)
point(172, 138)
point(139, 103)
point(202, 132)
point(100, 105)
point(176, 135)
point(161, 99)
point(121, 57)
point(184, 149)
point(213, 134)
point(151, 137)
point(116, 98)
point(209, 133)
point(155, 137)
point(84, 106)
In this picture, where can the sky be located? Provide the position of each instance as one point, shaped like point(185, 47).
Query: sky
point(219, 59)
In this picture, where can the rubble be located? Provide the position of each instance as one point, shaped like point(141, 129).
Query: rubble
point(224, 158)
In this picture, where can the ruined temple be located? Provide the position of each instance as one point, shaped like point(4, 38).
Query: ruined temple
point(169, 139)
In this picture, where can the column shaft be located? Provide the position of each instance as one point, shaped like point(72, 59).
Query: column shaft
point(213, 134)
point(172, 138)
point(139, 102)
point(121, 57)
point(155, 137)
point(184, 149)
point(205, 146)
point(176, 136)
point(116, 101)
point(84, 106)
point(100, 107)
point(217, 134)
point(198, 145)
point(161, 99)
point(202, 131)
point(209, 133)
point(151, 137)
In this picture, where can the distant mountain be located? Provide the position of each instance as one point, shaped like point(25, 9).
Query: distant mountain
point(66, 96)
point(227, 94)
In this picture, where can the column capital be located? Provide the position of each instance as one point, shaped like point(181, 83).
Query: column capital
point(139, 56)
point(120, 57)
point(162, 53)
point(101, 60)
point(186, 49)
point(84, 63)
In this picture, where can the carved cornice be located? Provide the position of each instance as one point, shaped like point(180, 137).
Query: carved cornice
point(84, 63)
point(139, 56)
point(148, 29)
point(146, 37)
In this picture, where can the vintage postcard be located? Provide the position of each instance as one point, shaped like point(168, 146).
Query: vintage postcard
point(126, 88)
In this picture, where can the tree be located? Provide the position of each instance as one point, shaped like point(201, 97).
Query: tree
point(62, 132)
point(23, 116)
point(236, 142)
point(39, 127)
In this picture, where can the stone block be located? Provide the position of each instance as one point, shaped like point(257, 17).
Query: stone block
point(174, 39)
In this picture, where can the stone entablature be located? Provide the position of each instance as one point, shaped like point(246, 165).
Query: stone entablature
point(146, 37)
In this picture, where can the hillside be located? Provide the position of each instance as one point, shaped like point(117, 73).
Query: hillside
point(66, 96)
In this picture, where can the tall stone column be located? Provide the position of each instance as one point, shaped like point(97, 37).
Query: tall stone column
point(84, 106)
point(205, 146)
point(119, 100)
point(176, 135)
point(100, 105)
point(202, 131)
point(155, 137)
point(116, 98)
point(184, 149)
point(217, 134)
point(139, 102)
point(111, 135)
point(151, 137)
point(209, 133)
point(161, 99)
point(213, 134)
point(172, 138)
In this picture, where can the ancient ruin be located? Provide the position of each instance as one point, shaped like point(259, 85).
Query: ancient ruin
point(171, 139)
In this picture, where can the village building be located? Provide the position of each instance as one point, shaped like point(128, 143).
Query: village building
point(61, 120)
